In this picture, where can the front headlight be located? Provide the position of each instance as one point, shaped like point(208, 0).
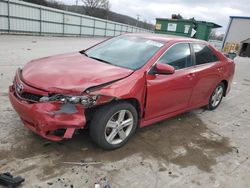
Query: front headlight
point(86, 100)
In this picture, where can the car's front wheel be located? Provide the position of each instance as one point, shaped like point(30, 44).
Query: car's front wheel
point(113, 125)
point(216, 97)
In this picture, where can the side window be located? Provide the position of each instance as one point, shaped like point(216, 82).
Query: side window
point(178, 56)
point(203, 54)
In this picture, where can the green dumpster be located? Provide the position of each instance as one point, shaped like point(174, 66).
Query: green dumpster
point(185, 27)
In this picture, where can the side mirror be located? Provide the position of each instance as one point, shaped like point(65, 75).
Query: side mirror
point(161, 68)
point(231, 55)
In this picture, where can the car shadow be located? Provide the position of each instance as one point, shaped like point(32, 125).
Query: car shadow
point(183, 140)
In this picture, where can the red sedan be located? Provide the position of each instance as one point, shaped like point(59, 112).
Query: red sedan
point(123, 83)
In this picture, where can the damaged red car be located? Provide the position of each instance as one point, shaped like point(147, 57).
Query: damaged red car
point(125, 82)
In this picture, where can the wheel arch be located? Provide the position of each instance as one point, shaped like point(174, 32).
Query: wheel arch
point(133, 101)
point(225, 82)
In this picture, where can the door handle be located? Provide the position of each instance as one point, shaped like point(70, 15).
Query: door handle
point(220, 69)
point(191, 76)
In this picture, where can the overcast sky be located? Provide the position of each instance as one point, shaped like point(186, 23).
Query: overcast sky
point(204, 10)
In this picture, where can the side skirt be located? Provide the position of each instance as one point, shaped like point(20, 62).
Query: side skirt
point(145, 123)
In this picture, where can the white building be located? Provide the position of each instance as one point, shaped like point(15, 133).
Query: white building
point(237, 37)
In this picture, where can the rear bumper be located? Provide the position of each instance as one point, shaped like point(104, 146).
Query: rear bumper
point(230, 77)
point(45, 118)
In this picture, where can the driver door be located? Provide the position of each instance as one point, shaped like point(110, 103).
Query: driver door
point(170, 93)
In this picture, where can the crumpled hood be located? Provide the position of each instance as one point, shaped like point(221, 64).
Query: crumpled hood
point(72, 72)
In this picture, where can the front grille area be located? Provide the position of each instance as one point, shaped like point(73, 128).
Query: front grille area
point(22, 91)
point(30, 96)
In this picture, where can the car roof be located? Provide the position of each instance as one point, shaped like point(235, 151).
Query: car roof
point(165, 38)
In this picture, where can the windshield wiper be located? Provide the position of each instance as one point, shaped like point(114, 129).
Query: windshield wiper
point(98, 59)
point(84, 53)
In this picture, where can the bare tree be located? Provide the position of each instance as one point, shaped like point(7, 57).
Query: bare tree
point(216, 36)
point(177, 16)
point(92, 6)
point(213, 35)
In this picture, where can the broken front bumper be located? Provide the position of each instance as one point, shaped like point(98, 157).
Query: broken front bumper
point(46, 118)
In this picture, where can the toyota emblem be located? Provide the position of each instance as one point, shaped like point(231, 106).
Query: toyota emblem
point(19, 88)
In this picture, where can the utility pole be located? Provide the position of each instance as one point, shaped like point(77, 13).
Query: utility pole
point(76, 8)
point(137, 19)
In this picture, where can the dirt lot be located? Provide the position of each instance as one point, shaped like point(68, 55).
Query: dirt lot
point(196, 149)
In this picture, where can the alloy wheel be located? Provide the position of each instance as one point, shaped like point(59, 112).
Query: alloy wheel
point(119, 127)
point(217, 96)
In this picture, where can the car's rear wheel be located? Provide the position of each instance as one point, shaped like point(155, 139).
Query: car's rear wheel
point(216, 97)
point(113, 125)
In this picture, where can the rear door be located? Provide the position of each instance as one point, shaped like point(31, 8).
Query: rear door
point(170, 93)
point(208, 70)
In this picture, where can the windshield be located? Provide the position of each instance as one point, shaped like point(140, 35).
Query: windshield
point(125, 51)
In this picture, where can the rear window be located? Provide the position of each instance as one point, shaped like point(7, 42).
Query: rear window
point(203, 54)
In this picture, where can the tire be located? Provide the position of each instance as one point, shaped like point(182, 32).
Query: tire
point(216, 97)
point(107, 128)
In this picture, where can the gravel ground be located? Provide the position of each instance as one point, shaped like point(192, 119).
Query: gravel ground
point(195, 149)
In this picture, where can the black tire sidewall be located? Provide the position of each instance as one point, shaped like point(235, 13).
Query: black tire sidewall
point(102, 116)
point(210, 106)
